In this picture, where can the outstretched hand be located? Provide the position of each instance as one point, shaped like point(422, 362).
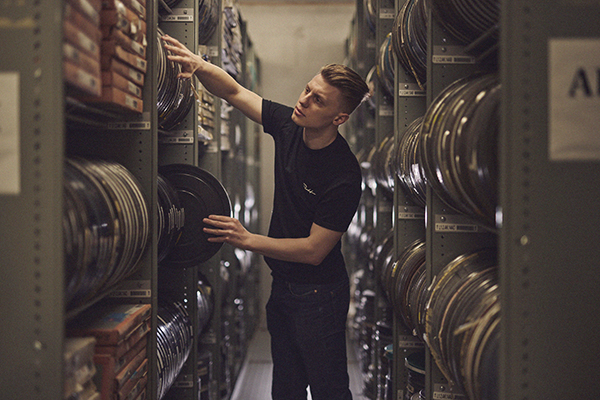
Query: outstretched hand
point(189, 61)
point(227, 230)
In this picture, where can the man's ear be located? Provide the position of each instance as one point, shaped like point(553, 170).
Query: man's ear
point(340, 119)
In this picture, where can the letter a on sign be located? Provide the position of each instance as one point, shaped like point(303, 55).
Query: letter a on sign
point(573, 99)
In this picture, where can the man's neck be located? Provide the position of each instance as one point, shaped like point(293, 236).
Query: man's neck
point(318, 139)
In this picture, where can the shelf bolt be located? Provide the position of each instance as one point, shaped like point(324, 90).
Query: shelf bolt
point(38, 345)
point(524, 240)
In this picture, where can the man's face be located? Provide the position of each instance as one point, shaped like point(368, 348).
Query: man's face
point(319, 105)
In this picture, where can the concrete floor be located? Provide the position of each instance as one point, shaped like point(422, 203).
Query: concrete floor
point(254, 381)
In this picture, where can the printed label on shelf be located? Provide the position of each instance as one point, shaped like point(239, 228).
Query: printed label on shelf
point(176, 140)
point(443, 392)
point(10, 159)
point(574, 99)
point(213, 51)
point(177, 137)
point(387, 13)
point(184, 381)
point(447, 396)
point(409, 342)
point(129, 289)
point(180, 15)
point(135, 125)
point(208, 337)
point(410, 212)
point(410, 90)
point(451, 55)
point(454, 223)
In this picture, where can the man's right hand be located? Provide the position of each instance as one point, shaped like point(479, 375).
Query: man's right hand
point(189, 61)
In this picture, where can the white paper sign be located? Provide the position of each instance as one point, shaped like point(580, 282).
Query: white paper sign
point(10, 170)
point(574, 99)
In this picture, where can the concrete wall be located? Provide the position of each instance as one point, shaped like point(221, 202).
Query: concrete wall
point(293, 41)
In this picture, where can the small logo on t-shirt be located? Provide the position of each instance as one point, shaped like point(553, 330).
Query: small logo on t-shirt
point(308, 189)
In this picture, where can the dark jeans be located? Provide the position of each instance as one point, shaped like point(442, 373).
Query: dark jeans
point(307, 324)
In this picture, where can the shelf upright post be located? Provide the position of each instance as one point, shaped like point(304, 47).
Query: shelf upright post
point(408, 217)
point(209, 158)
point(31, 166)
point(384, 129)
point(384, 115)
point(549, 193)
point(181, 146)
point(442, 244)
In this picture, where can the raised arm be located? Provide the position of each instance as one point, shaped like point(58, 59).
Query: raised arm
point(215, 80)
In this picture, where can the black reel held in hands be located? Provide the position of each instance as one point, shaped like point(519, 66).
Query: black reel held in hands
point(200, 195)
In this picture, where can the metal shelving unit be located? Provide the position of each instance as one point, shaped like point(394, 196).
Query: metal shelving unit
point(546, 251)
point(33, 130)
point(550, 206)
point(37, 132)
point(41, 133)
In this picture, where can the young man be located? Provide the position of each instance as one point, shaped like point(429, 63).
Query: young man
point(317, 190)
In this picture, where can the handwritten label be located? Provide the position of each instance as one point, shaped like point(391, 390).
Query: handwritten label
point(10, 133)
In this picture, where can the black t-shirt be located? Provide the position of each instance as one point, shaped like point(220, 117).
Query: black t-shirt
point(321, 186)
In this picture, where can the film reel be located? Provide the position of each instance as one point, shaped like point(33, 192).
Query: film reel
point(409, 39)
point(208, 20)
point(171, 217)
point(385, 66)
point(473, 22)
point(200, 194)
point(173, 342)
point(175, 97)
point(458, 146)
point(462, 290)
point(105, 226)
point(407, 164)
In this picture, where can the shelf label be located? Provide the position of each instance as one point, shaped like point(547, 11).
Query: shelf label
point(177, 137)
point(180, 15)
point(387, 13)
point(10, 133)
point(386, 110)
point(451, 55)
point(574, 99)
point(213, 51)
point(131, 289)
point(410, 212)
point(184, 381)
point(444, 392)
point(410, 90)
point(209, 337)
point(133, 125)
point(455, 224)
point(409, 342)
